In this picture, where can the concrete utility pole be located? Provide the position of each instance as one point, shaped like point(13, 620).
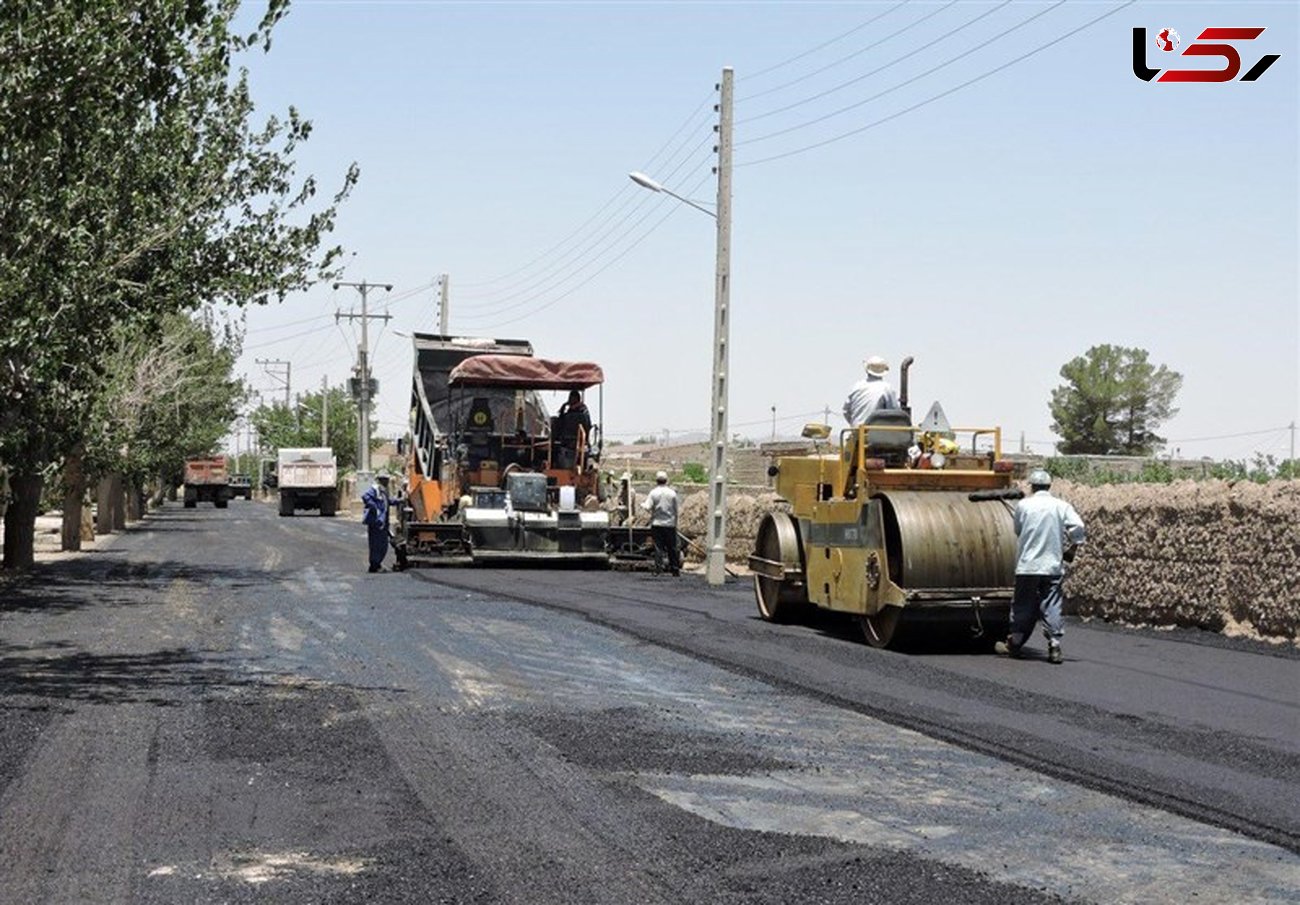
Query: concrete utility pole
point(363, 375)
point(324, 411)
point(277, 363)
point(444, 314)
point(716, 540)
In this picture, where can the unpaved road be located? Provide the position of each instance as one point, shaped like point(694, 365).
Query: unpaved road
point(222, 707)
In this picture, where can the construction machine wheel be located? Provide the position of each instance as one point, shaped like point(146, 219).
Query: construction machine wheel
point(780, 599)
point(880, 629)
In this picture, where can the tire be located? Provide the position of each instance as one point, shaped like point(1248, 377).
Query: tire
point(286, 503)
point(328, 504)
point(221, 502)
point(190, 504)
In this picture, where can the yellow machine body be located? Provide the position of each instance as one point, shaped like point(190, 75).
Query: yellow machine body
point(891, 543)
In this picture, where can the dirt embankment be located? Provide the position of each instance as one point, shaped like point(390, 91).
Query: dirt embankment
point(1210, 554)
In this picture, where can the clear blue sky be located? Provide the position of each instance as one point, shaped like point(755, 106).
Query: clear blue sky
point(993, 233)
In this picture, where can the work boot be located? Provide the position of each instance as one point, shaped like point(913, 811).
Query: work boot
point(1054, 654)
point(1006, 649)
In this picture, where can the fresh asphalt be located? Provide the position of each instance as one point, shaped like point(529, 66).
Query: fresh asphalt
point(221, 706)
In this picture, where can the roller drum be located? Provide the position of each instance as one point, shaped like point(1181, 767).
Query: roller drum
point(943, 540)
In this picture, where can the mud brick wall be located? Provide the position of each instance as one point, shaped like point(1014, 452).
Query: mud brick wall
point(1208, 554)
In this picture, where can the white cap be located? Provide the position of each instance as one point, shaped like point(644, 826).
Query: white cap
point(876, 365)
point(661, 477)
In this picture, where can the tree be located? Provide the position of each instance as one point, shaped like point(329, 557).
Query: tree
point(133, 185)
point(1113, 402)
point(284, 427)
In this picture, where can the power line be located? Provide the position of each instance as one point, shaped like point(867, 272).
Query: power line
point(965, 53)
point(879, 69)
point(624, 190)
point(672, 209)
point(942, 94)
point(589, 255)
point(821, 46)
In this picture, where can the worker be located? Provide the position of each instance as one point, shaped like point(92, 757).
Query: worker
point(870, 394)
point(376, 502)
point(1049, 532)
point(661, 503)
point(574, 413)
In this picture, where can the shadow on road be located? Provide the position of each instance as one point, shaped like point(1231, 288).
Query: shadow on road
point(97, 581)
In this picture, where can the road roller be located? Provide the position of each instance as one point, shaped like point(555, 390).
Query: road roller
point(907, 528)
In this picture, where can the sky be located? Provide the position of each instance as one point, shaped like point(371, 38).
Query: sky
point(984, 186)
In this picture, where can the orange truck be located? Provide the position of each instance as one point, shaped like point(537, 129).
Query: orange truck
point(207, 480)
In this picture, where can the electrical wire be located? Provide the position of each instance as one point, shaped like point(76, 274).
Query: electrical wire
point(942, 94)
point(816, 72)
point(879, 69)
point(822, 46)
point(672, 209)
point(589, 255)
point(948, 62)
point(623, 191)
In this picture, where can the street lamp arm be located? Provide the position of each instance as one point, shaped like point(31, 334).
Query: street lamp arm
point(645, 181)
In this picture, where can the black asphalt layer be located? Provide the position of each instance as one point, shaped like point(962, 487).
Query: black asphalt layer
point(223, 707)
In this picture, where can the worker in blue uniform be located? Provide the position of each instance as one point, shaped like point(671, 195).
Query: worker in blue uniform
point(376, 502)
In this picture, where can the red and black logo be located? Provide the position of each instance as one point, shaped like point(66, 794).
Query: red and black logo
point(1167, 40)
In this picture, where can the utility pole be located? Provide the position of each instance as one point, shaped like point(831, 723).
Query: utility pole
point(444, 315)
point(1292, 428)
point(277, 363)
point(773, 423)
point(363, 375)
point(324, 411)
point(716, 540)
point(827, 416)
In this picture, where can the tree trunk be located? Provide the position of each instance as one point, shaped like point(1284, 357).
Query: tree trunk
point(74, 488)
point(87, 523)
point(134, 502)
point(118, 502)
point(104, 500)
point(20, 521)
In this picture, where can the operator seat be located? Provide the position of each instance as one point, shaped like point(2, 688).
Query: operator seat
point(890, 445)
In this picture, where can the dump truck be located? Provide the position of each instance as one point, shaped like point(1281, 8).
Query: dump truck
point(206, 481)
point(908, 528)
point(491, 475)
point(307, 479)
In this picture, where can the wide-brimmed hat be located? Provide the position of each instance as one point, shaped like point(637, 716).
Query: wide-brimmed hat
point(876, 365)
point(661, 477)
point(1040, 478)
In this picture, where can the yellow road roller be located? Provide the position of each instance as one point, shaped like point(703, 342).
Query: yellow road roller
point(907, 527)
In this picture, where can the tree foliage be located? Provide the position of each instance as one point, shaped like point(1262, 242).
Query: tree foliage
point(1112, 403)
point(168, 394)
point(135, 184)
point(280, 426)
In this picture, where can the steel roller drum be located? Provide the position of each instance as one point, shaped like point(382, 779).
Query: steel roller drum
point(940, 539)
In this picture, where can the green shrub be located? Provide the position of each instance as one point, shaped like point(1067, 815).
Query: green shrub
point(694, 473)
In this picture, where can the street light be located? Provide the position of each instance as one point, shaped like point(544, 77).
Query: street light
point(716, 539)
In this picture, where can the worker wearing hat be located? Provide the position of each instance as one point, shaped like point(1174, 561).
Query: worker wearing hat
point(661, 503)
point(870, 394)
point(1048, 532)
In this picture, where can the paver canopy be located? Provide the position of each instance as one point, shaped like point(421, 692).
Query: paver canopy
point(521, 372)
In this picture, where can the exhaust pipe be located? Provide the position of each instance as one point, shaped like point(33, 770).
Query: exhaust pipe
point(902, 383)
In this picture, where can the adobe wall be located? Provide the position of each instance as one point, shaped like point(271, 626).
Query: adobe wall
point(1207, 554)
